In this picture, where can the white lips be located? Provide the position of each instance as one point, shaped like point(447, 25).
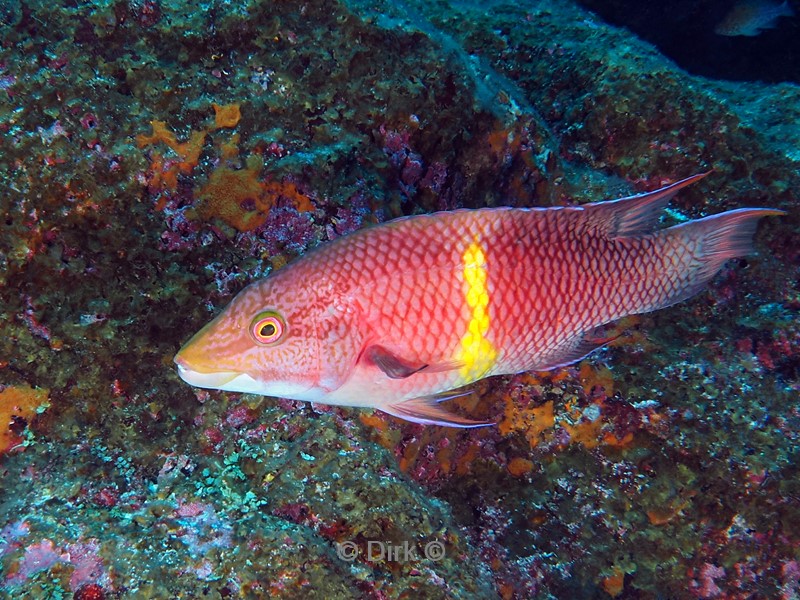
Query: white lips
point(230, 381)
point(223, 380)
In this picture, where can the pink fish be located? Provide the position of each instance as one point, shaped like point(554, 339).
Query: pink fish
point(751, 17)
point(397, 316)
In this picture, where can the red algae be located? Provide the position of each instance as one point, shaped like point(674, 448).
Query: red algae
point(533, 422)
point(227, 115)
point(242, 200)
point(165, 172)
point(519, 466)
point(236, 196)
point(653, 468)
point(90, 591)
point(18, 406)
point(614, 584)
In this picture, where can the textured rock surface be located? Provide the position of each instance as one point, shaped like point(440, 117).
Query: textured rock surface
point(664, 466)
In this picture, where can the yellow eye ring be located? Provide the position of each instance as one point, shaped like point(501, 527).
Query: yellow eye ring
point(267, 328)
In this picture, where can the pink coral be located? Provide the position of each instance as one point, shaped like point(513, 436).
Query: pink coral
point(82, 556)
point(202, 529)
point(10, 536)
point(192, 509)
point(790, 572)
point(38, 557)
point(88, 565)
point(239, 416)
point(706, 585)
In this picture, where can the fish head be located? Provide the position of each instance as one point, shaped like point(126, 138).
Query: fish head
point(268, 341)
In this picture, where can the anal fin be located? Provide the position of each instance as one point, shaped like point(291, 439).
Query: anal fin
point(577, 348)
point(428, 411)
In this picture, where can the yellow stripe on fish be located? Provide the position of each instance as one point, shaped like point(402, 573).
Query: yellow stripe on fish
point(477, 353)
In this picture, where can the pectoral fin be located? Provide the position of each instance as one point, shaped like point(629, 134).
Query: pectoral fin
point(397, 367)
point(391, 364)
point(427, 411)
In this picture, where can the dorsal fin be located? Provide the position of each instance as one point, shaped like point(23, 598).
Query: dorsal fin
point(635, 215)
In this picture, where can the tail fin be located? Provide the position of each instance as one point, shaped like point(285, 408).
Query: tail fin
point(724, 236)
point(711, 241)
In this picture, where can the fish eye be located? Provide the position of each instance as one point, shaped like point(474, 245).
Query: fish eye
point(267, 328)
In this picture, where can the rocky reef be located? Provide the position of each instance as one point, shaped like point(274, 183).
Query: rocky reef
point(156, 157)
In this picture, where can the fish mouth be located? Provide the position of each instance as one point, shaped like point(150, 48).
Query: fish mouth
point(213, 380)
point(235, 381)
point(229, 381)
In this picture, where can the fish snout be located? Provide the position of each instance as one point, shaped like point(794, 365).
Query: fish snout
point(196, 373)
point(184, 370)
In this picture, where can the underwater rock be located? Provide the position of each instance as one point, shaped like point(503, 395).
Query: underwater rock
point(655, 468)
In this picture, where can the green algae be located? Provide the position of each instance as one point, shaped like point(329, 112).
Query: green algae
point(93, 305)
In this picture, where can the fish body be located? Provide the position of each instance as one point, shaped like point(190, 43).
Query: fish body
point(396, 316)
point(752, 17)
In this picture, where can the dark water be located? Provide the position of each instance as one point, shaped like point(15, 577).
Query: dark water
point(684, 31)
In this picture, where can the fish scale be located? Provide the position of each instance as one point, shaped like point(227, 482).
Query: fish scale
point(398, 316)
